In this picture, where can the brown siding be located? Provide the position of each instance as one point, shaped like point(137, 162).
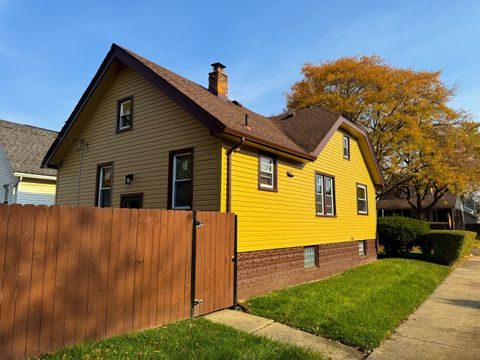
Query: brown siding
point(159, 126)
point(260, 272)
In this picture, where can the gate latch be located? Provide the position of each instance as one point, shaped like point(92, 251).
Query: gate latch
point(197, 302)
point(199, 223)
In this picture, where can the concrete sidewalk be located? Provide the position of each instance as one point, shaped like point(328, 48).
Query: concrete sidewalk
point(445, 326)
point(266, 327)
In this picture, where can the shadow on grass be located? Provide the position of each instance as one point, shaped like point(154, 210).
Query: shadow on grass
point(410, 255)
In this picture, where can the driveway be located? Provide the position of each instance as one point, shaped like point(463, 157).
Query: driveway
point(445, 326)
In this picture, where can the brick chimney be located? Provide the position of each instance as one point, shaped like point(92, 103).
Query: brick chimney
point(218, 80)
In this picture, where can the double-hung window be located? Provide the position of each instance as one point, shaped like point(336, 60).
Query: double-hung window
point(362, 199)
point(125, 114)
point(346, 147)
point(181, 192)
point(104, 185)
point(267, 172)
point(324, 195)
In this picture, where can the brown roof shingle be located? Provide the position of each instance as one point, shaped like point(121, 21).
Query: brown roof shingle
point(232, 115)
point(25, 146)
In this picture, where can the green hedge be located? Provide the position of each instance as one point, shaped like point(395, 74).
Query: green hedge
point(448, 245)
point(399, 234)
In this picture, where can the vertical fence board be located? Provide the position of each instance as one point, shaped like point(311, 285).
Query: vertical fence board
point(168, 262)
point(155, 270)
point(68, 263)
point(130, 271)
point(38, 274)
point(103, 276)
point(147, 266)
point(113, 274)
point(4, 214)
point(49, 281)
point(162, 273)
point(93, 275)
point(12, 252)
point(23, 282)
point(139, 265)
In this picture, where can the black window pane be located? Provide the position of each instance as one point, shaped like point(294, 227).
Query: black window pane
point(105, 198)
point(183, 194)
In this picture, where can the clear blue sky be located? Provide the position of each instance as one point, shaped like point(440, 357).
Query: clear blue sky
point(49, 50)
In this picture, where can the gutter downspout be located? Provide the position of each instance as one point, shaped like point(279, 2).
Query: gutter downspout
point(229, 172)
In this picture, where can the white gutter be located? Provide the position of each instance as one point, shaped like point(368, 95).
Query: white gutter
point(35, 176)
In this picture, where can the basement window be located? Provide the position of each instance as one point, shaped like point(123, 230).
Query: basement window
point(125, 114)
point(362, 248)
point(309, 257)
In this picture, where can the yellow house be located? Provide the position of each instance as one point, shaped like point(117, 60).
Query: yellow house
point(22, 179)
point(302, 183)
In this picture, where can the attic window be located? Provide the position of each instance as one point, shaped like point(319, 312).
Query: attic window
point(125, 114)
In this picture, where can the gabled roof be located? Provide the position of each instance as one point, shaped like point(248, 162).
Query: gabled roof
point(292, 135)
point(25, 146)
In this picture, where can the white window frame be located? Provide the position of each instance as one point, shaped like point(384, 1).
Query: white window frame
point(308, 251)
point(175, 180)
point(120, 113)
point(271, 172)
point(364, 187)
point(362, 248)
point(332, 196)
point(346, 147)
point(319, 193)
point(101, 171)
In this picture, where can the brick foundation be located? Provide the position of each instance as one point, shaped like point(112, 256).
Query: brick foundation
point(260, 272)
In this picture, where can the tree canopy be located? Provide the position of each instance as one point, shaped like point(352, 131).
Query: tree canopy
point(422, 143)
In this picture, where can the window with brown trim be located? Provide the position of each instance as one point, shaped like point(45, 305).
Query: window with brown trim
point(180, 185)
point(103, 196)
point(125, 114)
point(362, 199)
point(131, 201)
point(346, 147)
point(324, 195)
point(267, 172)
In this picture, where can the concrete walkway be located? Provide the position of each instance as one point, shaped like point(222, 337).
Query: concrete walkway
point(445, 326)
point(266, 327)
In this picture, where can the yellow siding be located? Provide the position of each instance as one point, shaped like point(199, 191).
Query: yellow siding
point(159, 126)
point(269, 220)
point(37, 186)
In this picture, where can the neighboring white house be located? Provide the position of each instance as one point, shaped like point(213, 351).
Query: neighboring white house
point(22, 180)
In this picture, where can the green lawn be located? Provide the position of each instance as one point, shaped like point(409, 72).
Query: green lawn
point(197, 339)
point(359, 307)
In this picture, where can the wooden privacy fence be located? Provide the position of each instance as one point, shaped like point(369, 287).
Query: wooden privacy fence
point(70, 274)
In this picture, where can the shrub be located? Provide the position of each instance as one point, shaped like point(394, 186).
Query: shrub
point(448, 245)
point(399, 234)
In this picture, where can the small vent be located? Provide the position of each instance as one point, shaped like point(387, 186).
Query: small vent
point(235, 102)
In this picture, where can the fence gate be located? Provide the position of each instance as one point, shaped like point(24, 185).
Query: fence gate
point(214, 258)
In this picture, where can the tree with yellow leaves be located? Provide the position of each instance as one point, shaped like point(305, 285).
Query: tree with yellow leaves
point(424, 146)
